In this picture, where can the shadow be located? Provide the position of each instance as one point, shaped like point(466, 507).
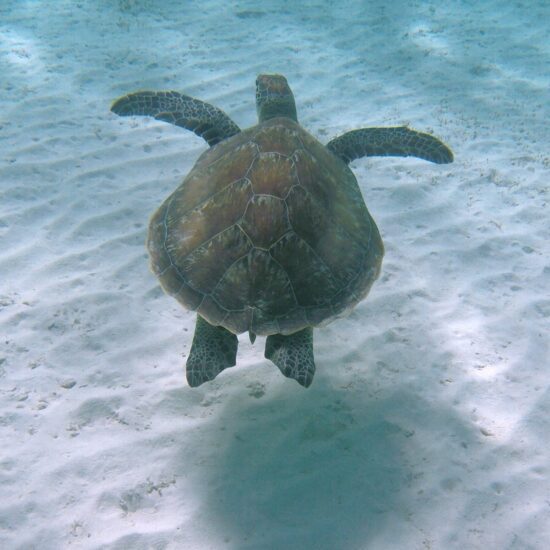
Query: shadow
point(322, 469)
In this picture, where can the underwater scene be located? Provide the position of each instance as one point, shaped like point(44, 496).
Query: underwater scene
point(274, 275)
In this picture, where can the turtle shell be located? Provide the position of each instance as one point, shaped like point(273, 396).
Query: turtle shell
point(268, 233)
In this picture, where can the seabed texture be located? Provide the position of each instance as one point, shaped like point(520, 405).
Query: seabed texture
point(427, 423)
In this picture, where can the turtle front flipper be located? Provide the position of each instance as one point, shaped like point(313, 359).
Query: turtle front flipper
point(293, 355)
point(398, 141)
point(205, 120)
point(213, 350)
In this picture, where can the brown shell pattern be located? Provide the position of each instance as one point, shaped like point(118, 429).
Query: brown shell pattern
point(268, 233)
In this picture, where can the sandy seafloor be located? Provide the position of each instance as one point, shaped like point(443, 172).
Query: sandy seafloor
point(427, 424)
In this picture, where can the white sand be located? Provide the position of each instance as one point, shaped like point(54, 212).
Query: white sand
point(427, 424)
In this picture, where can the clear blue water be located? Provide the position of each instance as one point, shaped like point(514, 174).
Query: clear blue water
point(427, 423)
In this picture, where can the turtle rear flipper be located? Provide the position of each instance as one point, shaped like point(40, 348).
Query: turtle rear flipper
point(398, 141)
point(205, 120)
point(213, 350)
point(293, 355)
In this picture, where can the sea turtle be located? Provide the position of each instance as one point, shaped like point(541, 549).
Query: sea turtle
point(269, 233)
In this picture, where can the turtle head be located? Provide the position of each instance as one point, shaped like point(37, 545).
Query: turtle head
point(274, 98)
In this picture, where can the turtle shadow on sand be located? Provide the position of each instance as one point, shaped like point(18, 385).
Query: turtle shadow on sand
point(326, 470)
